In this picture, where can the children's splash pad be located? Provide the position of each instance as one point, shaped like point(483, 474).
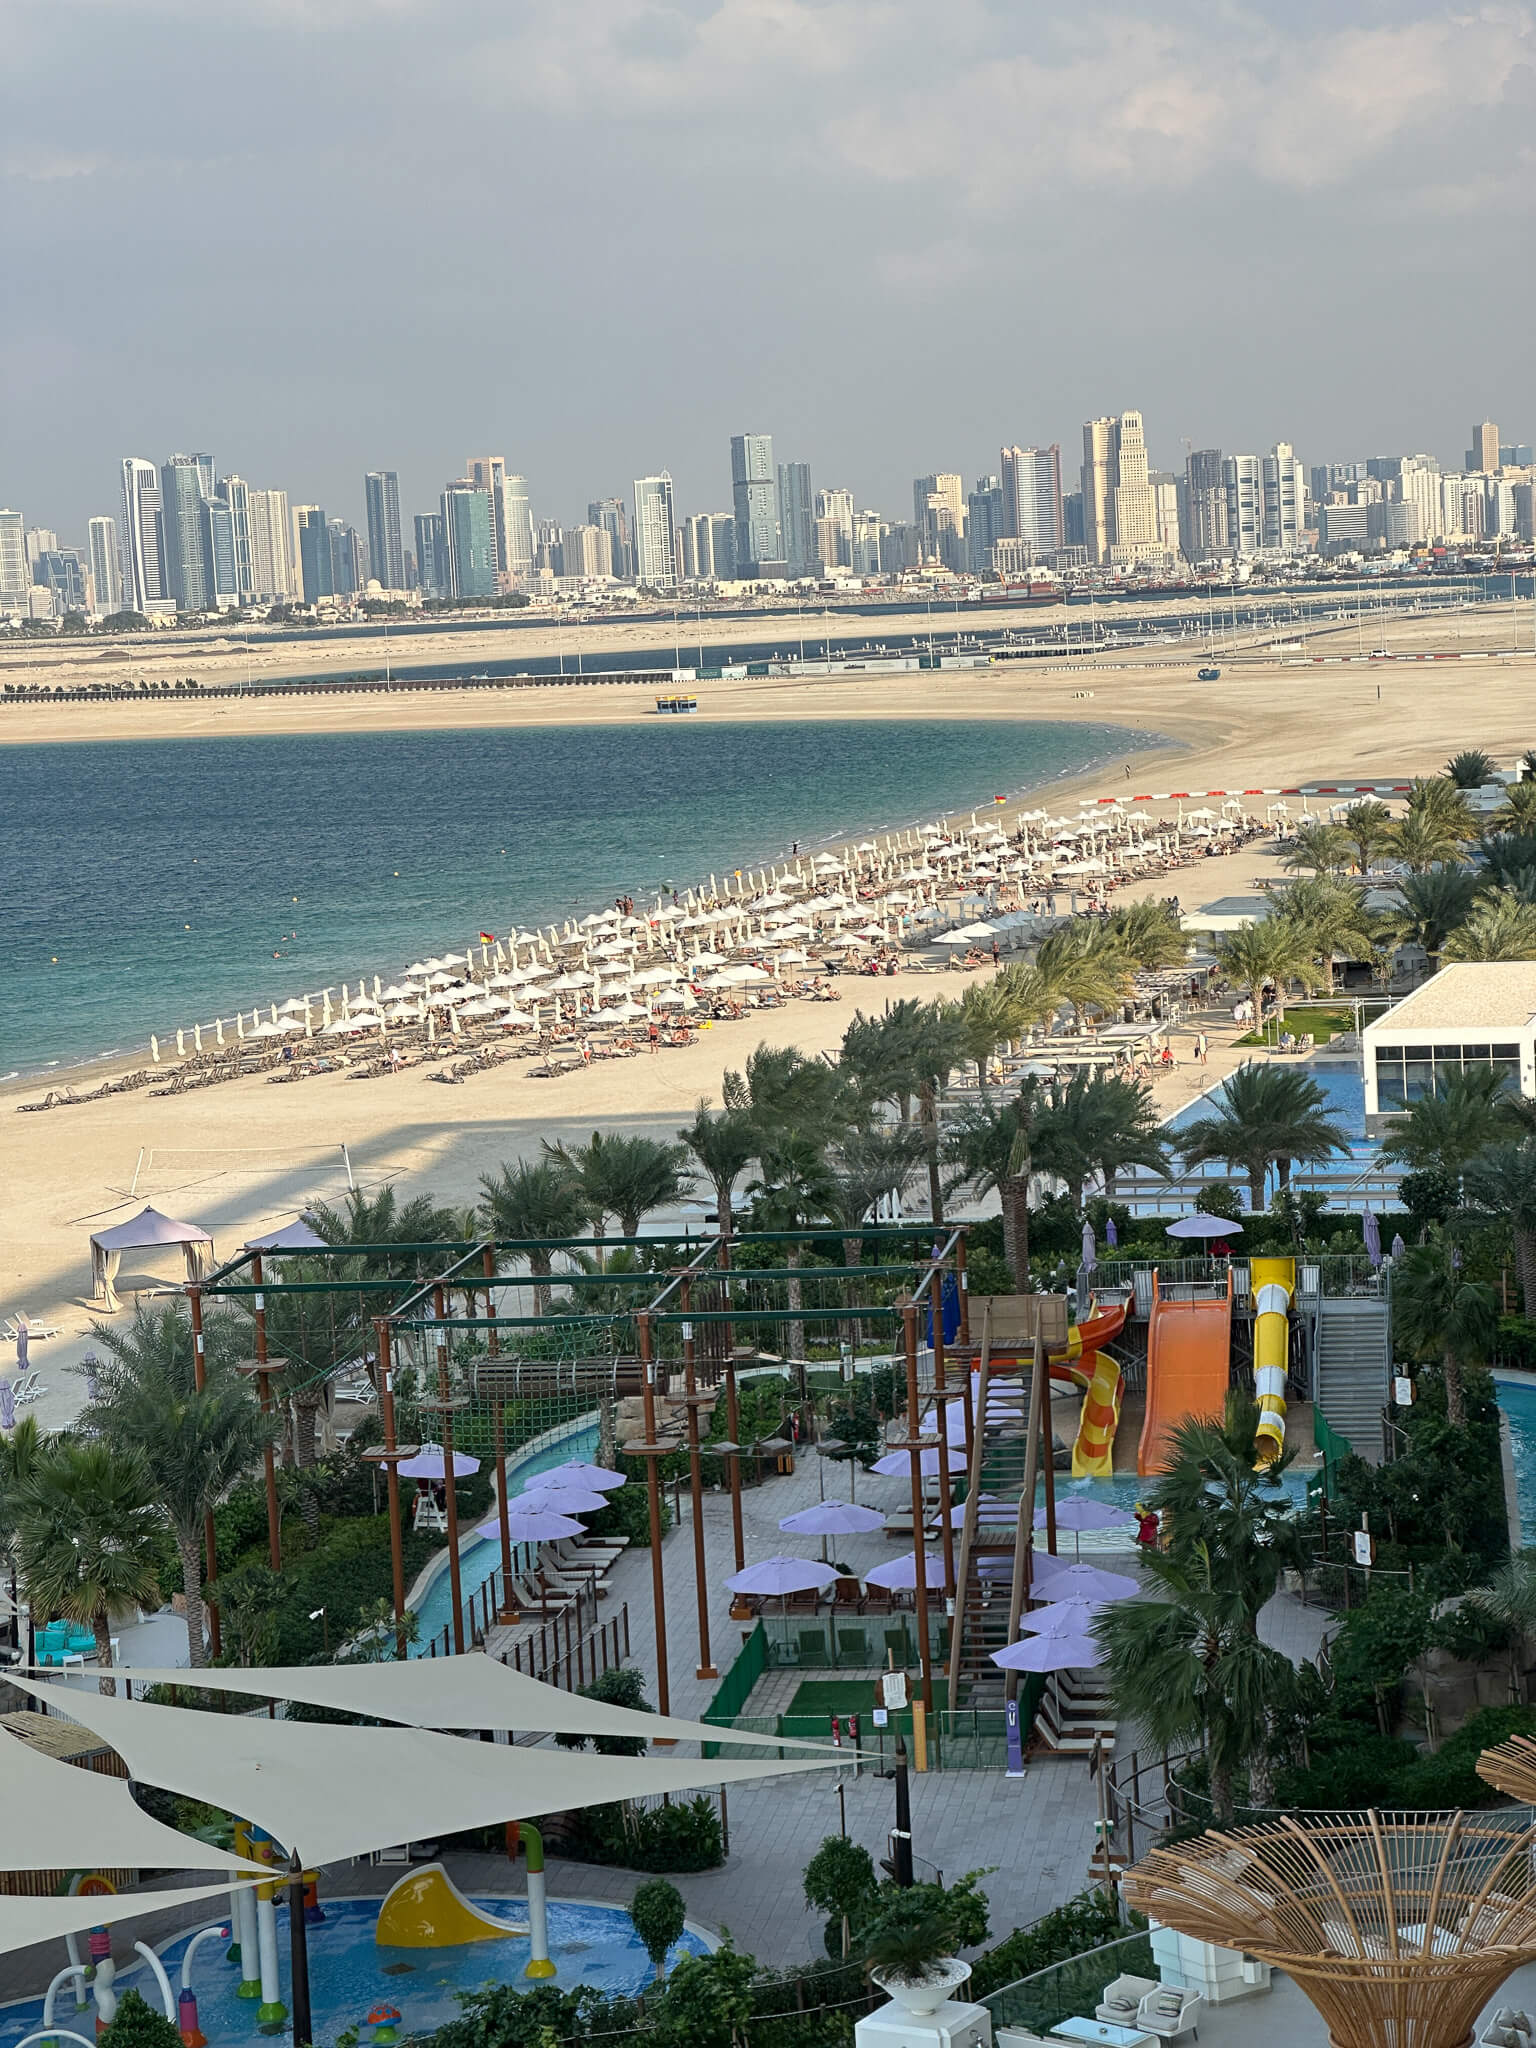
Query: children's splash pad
point(352, 1976)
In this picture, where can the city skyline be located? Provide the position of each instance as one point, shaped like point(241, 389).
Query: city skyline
point(928, 186)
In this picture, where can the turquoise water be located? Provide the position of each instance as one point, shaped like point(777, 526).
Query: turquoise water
point(157, 883)
point(349, 1973)
point(1124, 1489)
point(1518, 1400)
point(476, 1564)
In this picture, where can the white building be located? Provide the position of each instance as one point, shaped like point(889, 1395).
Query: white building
point(1474, 1016)
point(106, 570)
point(655, 530)
point(1285, 499)
point(15, 575)
point(1242, 477)
point(271, 545)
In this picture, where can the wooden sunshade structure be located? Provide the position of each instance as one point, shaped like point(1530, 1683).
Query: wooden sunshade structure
point(1510, 1767)
point(1398, 1926)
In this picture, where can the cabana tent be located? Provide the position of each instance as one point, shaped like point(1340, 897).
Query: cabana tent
point(146, 1229)
point(297, 1236)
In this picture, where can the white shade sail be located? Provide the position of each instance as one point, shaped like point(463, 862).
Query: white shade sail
point(468, 1691)
point(46, 1802)
point(25, 1921)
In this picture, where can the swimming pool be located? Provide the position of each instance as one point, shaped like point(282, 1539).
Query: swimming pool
point(350, 1974)
point(1518, 1400)
point(434, 1610)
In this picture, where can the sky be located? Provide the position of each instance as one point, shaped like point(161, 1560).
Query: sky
point(598, 237)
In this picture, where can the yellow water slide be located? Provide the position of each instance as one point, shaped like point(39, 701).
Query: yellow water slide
point(1274, 1283)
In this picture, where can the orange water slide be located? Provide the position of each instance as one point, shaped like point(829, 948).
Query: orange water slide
point(1189, 1351)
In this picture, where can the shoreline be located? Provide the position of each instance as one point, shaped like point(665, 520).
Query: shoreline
point(90, 1069)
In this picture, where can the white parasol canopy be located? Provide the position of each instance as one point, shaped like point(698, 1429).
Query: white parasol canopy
point(148, 1228)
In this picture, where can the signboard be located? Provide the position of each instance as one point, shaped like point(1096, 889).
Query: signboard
point(1402, 1390)
point(1365, 1547)
point(1015, 1740)
point(893, 1689)
point(882, 1718)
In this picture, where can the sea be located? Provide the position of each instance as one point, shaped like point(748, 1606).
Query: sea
point(151, 884)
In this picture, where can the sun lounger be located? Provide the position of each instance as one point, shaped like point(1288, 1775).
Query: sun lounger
point(27, 1388)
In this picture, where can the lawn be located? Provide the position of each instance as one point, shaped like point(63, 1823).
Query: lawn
point(1323, 1023)
point(817, 1699)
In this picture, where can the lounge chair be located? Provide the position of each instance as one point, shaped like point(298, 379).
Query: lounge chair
point(853, 1647)
point(1121, 2001)
point(813, 1647)
point(1170, 2012)
point(27, 1388)
point(1509, 2028)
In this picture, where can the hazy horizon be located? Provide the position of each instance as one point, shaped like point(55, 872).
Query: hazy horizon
point(316, 237)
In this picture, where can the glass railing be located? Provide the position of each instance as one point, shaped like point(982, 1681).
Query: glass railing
point(1070, 1990)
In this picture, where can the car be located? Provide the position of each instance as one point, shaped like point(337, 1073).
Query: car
point(1210, 675)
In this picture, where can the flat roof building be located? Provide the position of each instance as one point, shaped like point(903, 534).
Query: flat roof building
point(1468, 1017)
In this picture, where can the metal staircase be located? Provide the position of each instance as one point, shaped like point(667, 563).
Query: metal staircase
point(1354, 1362)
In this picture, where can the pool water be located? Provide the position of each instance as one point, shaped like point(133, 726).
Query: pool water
point(350, 1974)
point(1518, 1400)
point(434, 1612)
point(1124, 1489)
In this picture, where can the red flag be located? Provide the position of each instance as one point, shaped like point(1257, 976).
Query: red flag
point(487, 938)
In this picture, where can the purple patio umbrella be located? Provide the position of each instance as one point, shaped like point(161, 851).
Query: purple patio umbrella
point(1111, 1234)
point(900, 1575)
point(7, 1405)
point(1060, 1581)
point(1063, 1618)
point(988, 1509)
point(1398, 1247)
point(1372, 1234)
point(1090, 1248)
point(1201, 1225)
point(1051, 1653)
point(833, 1518)
point(593, 1478)
point(428, 1464)
point(538, 1527)
point(557, 1500)
point(898, 1464)
point(781, 1575)
point(1078, 1512)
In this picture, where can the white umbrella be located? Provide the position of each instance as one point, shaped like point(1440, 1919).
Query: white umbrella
point(539, 1526)
point(594, 1478)
point(898, 1464)
point(833, 1518)
point(1063, 1618)
point(428, 1463)
point(900, 1575)
point(777, 1576)
point(1201, 1225)
point(1051, 1653)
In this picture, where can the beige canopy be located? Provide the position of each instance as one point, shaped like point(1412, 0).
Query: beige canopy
point(148, 1229)
point(469, 1691)
point(46, 1802)
point(332, 1793)
point(25, 1921)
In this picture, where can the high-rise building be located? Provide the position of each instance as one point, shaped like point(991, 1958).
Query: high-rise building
point(516, 527)
point(1205, 504)
point(1074, 521)
point(938, 513)
point(431, 570)
point(488, 473)
point(755, 500)
point(237, 496)
point(835, 507)
point(314, 551)
point(1285, 499)
point(181, 503)
point(655, 537)
point(1136, 535)
point(608, 513)
point(549, 547)
point(1031, 480)
point(220, 576)
point(349, 570)
point(1516, 455)
point(15, 574)
point(1167, 494)
point(588, 551)
point(984, 517)
point(797, 518)
point(61, 573)
point(1484, 452)
point(709, 547)
point(868, 543)
point(106, 570)
point(271, 546)
point(1100, 477)
point(144, 585)
point(466, 515)
point(386, 553)
point(41, 540)
point(1242, 479)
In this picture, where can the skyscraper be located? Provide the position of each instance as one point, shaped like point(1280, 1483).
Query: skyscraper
point(797, 518)
point(655, 540)
point(1100, 475)
point(1285, 499)
point(516, 526)
point(467, 540)
point(61, 573)
point(271, 546)
point(314, 552)
point(348, 569)
point(608, 513)
point(709, 547)
point(15, 575)
point(1031, 481)
point(488, 473)
point(1136, 535)
point(237, 496)
point(386, 553)
point(106, 571)
point(588, 551)
point(755, 499)
point(1484, 452)
point(938, 515)
point(836, 508)
point(144, 584)
point(220, 577)
point(983, 523)
point(431, 573)
point(1242, 479)
point(181, 504)
point(1205, 504)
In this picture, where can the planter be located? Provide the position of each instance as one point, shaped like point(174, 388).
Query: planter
point(923, 1999)
point(743, 1610)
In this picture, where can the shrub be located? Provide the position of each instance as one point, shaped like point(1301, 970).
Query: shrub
point(138, 2025)
point(618, 1687)
point(658, 1913)
point(682, 1836)
point(1083, 1923)
point(627, 1511)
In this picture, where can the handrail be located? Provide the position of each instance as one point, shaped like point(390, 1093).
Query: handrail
point(972, 1502)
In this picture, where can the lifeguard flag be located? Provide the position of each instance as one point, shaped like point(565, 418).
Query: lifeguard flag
point(487, 938)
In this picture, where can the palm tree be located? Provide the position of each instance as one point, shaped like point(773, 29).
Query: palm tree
point(1442, 1132)
point(1471, 768)
point(1517, 813)
point(796, 1189)
point(784, 1089)
point(87, 1536)
point(1502, 927)
point(624, 1176)
point(1434, 903)
point(905, 1056)
point(988, 1015)
point(193, 1443)
point(990, 1144)
point(1439, 1316)
point(724, 1142)
point(1507, 860)
point(1083, 963)
point(381, 1219)
point(1502, 1182)
point(1150, 933)
point(1332, 919)
point(1097, 1124)
point(1273, 950)
point(1189, 1666)
point(1369, 825)
point(20, 1454)
point(532, 1200)
point(864, 1168)
point(1437, 797)
point(1265, 1116)
point(1324, 849)
point(1426, 839)
point(1510, 1599)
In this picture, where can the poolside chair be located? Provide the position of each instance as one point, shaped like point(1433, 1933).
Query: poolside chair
point(853, 1647)
point(1122, 2000)
point(1170, 2012)
point(27, 1388)
point(847, 1592)
point(877, 1600)
point(813, 1647)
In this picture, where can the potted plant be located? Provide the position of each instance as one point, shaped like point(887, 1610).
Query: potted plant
point(907, 1953)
